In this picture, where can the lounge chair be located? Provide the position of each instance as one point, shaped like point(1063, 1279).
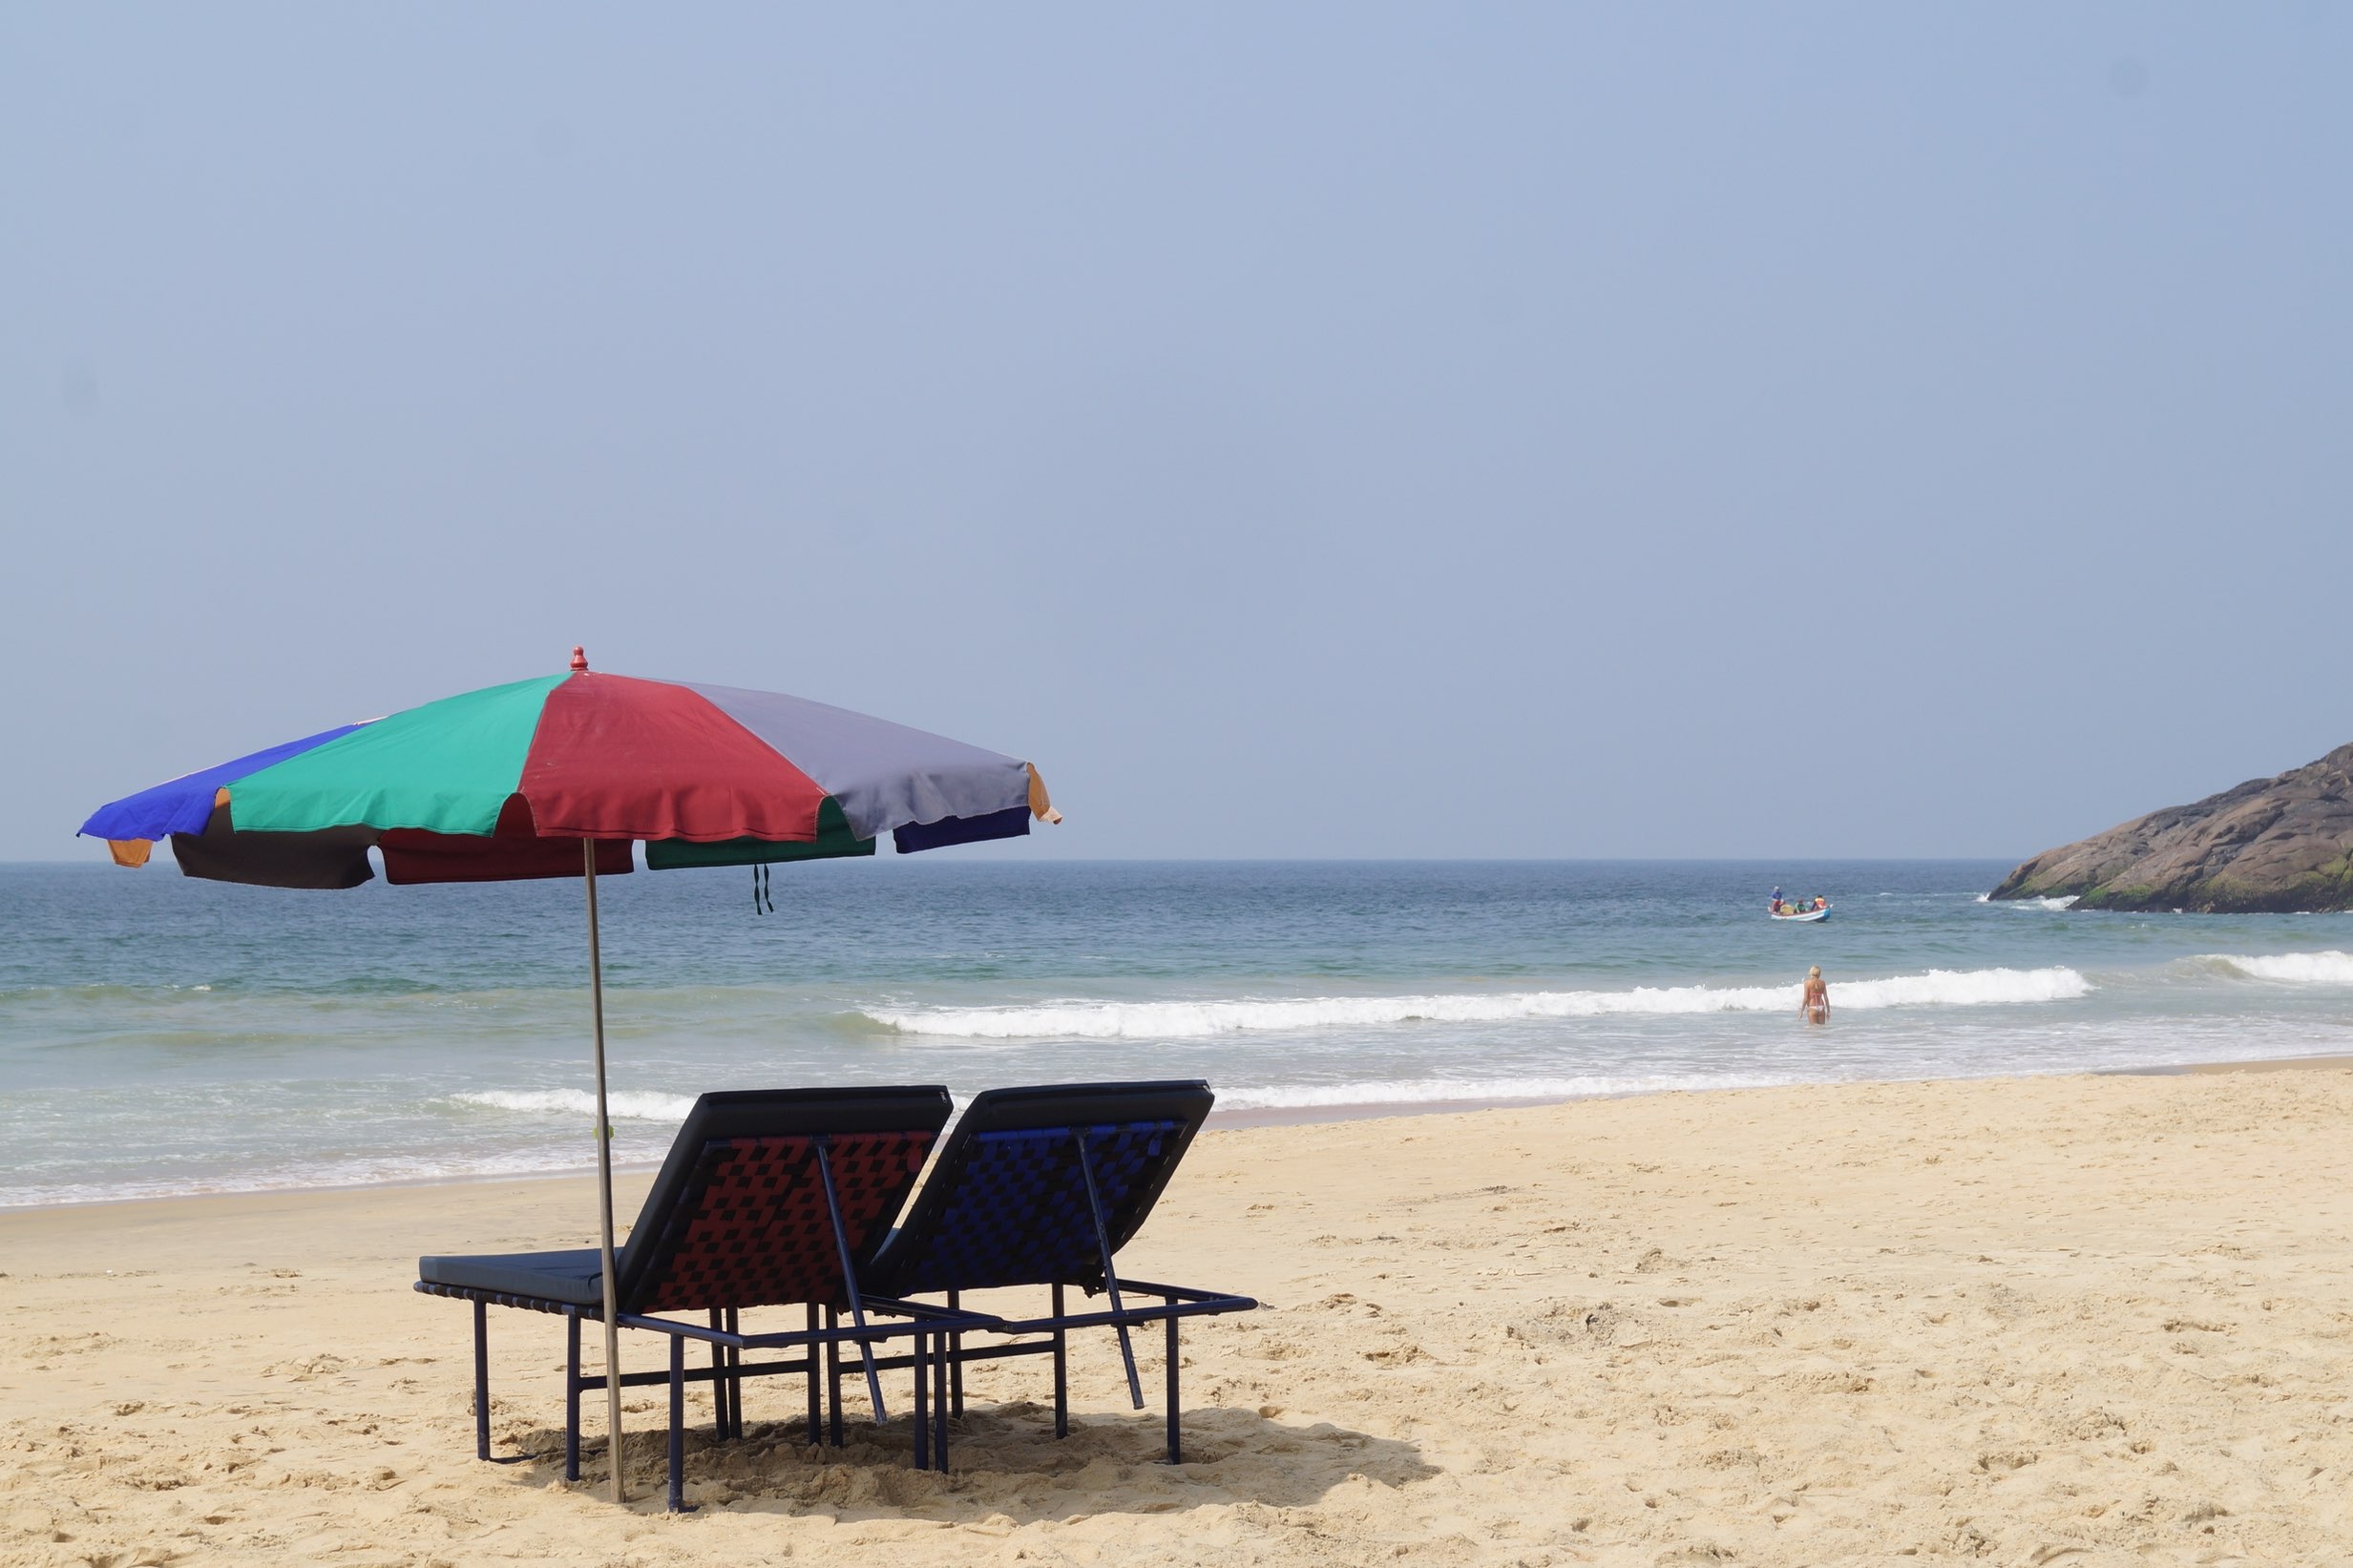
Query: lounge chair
point(1042, 1188)
point(769, 1197)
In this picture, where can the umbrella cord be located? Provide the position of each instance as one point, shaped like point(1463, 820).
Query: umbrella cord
point(760, 891)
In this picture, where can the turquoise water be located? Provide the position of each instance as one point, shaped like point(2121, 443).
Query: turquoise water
point(160, 1035)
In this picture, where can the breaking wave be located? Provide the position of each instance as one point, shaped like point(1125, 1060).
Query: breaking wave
point(625, 1104)
point(2064, 902)
point(1192, 1020)
point(2327, 969)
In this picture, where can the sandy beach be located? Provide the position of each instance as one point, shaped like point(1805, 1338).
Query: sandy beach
point(2085, 1319)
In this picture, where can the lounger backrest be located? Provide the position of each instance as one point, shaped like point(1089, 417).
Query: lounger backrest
point(1007, 1202)
point(738, 1216)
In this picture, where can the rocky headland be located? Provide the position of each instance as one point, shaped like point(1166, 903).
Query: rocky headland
point(2270, 846)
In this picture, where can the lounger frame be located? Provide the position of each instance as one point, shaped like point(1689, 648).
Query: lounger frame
point(820, 1342)
point(710, 1224)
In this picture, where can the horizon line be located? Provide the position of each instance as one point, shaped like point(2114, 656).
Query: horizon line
point(1338, 860)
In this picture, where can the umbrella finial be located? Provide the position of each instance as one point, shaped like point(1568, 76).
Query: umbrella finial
point(579, 660)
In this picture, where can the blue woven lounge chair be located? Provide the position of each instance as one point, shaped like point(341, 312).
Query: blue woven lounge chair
point(1042, 1188)
point(769, 1197)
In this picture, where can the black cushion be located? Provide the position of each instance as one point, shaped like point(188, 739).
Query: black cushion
point(574, 1276)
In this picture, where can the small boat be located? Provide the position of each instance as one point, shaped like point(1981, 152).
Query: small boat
point(1822, 913)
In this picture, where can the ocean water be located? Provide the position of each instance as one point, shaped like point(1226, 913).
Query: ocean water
point(161, 1035)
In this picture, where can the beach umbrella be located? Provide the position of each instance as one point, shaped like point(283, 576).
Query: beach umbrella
point(558, 776)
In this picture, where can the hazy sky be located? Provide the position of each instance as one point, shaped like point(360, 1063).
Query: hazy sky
point(1343, 430)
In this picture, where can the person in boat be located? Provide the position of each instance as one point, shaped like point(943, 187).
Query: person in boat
point(1814, 1005)
point(1775, 904)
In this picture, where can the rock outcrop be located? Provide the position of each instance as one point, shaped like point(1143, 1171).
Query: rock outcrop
point(2275, 846)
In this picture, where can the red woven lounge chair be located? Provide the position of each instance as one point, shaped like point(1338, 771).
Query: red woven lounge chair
point(769, 1197)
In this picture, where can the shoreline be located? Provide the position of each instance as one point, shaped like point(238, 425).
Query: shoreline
point(2269, 1064)
point(1246, 1120)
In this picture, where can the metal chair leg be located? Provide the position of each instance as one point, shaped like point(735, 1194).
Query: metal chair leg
point(1062, 1371)
point(571, 1397)
point(735, 1375)
point(939, 1437)
point(1176, 1454)
point(678, 1423)
point(850, 1280)
point(721, 1425)
point(1110, 1278)
point(834, 1380)
point(816, 1416)
point(955, 1361)
point(923, 1406)
point(940, 1368)
point(481, 1381)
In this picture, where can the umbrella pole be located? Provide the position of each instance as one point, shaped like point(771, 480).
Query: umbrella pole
point(604, 1181)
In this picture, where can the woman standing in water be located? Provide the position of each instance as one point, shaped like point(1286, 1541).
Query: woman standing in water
point(1814, 1005)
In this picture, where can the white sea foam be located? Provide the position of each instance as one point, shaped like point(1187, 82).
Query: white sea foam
point(1082, 1019)
point(2067, 902)
point(2327, 969)
point(1475, 1091)
point(626, 1104)
point(306, 1175)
